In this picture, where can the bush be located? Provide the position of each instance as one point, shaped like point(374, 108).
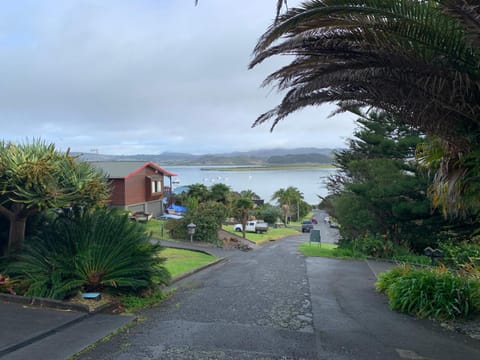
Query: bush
point(95, 251)
point(270, 214)
point(431, 293)
point(373, 246)
point(387, 278)
point(458, 255)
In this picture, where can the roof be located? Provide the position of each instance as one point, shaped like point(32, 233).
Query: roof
point(125, 169)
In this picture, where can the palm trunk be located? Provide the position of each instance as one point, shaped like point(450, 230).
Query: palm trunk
point(17, 217)
point(16, 234)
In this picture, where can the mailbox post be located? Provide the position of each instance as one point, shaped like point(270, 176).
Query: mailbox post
point(191, 230)
point(432, 253)
point(315, 237)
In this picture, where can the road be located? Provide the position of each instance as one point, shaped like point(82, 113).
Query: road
point(273, 303)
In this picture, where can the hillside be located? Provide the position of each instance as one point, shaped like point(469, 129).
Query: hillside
point(263, 157)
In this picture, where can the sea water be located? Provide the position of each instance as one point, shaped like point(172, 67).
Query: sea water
point(309, 181)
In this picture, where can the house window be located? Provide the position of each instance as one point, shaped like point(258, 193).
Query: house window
point(156, 186)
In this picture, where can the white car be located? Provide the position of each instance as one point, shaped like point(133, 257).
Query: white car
point(327, 219)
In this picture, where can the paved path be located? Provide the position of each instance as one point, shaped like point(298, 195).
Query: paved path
point(273, 303)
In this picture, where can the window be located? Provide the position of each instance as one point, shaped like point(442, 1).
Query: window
point(156, 186)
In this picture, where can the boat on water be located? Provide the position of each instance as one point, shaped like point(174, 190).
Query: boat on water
point(176, 181)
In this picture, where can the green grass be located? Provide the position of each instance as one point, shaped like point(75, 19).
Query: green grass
point(327, 250)
point(157, 229)
point(271, 234)
point(180, 261)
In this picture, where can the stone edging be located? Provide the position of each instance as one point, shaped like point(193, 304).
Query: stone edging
point(194, 271)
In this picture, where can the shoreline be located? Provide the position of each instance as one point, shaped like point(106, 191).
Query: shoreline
point(271, 167)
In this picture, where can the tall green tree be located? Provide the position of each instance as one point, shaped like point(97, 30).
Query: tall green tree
point(289, 200)
point(380, 189)
point(418, 60)
point(35, 177)
point(219, 192)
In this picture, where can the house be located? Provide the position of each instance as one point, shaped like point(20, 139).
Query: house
point(136, 185)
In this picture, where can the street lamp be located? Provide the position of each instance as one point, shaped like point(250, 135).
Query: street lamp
point(191, 230)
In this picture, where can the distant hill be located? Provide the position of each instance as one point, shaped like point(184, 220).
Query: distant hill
point(255, 157)
point(299, 159)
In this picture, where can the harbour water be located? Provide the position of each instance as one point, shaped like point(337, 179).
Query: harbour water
point(311, 182)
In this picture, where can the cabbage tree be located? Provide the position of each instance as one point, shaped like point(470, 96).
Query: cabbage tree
point(35, 177)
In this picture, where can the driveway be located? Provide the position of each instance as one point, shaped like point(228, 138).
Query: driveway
point(273, 303)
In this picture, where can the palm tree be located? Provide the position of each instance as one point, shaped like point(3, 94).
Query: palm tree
point(288, 199)
point(242, 208)
point(249, 194)
point(417, 60)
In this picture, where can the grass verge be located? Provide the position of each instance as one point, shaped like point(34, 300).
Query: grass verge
point(328, 250)
point(180, 261)
point(157, 229)
point(270, 235)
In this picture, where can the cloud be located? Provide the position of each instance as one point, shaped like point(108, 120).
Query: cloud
point(145, 76)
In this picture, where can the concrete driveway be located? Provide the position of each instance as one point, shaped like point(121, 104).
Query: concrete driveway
point(273, 303)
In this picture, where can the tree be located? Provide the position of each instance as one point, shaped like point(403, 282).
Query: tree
point(249, 194)
point(208, 218)
point(219, 192)
point(288, 199)
point(380, 189)
point(242, 207)
point(35, 177)
point(417, 60)
point(198, 191)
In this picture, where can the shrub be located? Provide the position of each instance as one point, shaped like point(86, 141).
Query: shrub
point(95, 251)
point(431, 293)
point(458, 255)
point(270, 214)
point(387, 278)
point(374, 246)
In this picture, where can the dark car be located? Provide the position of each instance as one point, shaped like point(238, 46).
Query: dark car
point(307, 226)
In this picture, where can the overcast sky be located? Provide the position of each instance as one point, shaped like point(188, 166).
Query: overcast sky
point(146, 76)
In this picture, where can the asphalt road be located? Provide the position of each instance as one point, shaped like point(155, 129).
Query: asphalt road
point(273, 303)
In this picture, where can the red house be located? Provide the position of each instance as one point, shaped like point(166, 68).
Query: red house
point(137, 186)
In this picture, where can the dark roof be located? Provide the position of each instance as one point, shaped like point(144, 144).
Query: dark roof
point(125, 169)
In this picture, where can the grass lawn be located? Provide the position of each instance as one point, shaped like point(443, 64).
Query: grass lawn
point(180, 261)
point(271, 234)
point(327, 250)
point(157, 228)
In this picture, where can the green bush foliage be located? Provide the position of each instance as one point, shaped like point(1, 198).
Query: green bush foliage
point(387, 278)
point(458, 255)
point(269, 214)
point(98, 250)
point(431, 293)
point(207, 216)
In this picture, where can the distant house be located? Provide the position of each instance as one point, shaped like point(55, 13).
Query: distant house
point(137, 186)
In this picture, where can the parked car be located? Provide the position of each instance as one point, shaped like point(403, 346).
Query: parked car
point(307, 226)
point(327, 219)
point(255, 226)
point(314, 220)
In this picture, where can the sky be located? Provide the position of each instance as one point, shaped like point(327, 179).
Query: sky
point(130, 77)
